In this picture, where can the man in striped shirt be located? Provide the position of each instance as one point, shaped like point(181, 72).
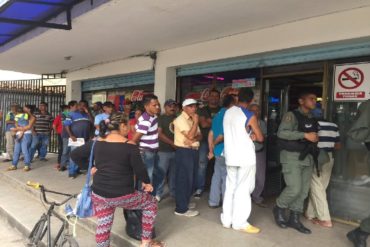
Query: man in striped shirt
point(147, 133)
point(318, 209)
point(42, 129)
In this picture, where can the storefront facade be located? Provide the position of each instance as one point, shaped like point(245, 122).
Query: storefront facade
point(120, 90)
point(276, 89)
point(276, 60)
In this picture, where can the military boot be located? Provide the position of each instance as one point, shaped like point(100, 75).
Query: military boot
point(279, 215)
point(295, 223)
point(358, 237)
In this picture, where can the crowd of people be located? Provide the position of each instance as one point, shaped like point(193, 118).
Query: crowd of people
point(135, 157)
point(27, 131)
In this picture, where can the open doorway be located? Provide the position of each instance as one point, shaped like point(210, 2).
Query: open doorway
point(281, 96)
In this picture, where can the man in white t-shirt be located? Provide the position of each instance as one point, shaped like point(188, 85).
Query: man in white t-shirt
point(240, 130)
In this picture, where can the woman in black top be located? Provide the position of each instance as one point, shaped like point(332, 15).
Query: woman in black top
point(117, 162)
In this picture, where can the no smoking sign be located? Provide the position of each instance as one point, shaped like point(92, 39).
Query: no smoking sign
point(351, 82)
point(351, 78)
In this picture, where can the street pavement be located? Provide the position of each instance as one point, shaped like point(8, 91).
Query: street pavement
point(202, 231)
point(10, 237)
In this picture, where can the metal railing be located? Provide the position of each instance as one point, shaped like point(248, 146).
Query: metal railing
point(30, 92)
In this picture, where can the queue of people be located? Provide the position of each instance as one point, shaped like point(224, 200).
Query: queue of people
point(134, 158)
point(27, 131)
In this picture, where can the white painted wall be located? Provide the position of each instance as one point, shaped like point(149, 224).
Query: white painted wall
point(119, 67)
point(335, 27)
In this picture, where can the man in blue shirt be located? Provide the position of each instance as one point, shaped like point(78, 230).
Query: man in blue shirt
point(107, 111)
point(78, 125)
point(216, 147)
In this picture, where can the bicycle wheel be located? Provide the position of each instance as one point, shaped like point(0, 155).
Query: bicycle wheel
point(69, 242)
point(37, 233)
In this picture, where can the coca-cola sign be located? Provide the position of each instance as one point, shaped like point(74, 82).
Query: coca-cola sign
point(137, 95)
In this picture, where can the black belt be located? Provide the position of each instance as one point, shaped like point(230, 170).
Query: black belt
point(261, 150)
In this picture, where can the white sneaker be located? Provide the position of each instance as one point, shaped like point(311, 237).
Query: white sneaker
point(158, 198)
point(192, 205)
point(189, 213)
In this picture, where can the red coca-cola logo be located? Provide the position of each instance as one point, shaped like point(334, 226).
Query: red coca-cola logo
point(137, 95)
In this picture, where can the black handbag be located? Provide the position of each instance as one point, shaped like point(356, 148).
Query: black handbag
point(133, 223)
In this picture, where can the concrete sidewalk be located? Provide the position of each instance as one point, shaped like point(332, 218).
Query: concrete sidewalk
point(9, 236)
point(202, 231)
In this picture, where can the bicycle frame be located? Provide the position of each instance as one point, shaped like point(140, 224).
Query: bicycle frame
point(51, 212)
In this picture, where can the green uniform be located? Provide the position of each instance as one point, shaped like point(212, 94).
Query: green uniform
point(297, 173)
point(360, 132)
point(365, 225)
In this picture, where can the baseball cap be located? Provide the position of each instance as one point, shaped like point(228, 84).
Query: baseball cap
point(170, 102)
point(189, 102)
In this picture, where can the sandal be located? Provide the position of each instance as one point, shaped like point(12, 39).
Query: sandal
point(26, 168)
point(323, 223)
point(11, 168)
point(154, 243)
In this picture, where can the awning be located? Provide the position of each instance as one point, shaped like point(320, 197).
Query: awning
point(21, 16)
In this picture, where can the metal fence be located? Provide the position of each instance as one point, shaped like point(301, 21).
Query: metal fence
point(31, 92)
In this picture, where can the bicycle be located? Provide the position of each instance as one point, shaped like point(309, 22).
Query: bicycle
point(43, 225)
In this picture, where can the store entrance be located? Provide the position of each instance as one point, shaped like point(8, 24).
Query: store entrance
point(281, 96)
point(276, 90)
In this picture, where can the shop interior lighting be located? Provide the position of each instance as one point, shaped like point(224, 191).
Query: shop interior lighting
point(213, 77)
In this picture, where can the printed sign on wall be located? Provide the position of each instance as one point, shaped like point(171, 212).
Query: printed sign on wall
point(248, 82)
point(352, 82)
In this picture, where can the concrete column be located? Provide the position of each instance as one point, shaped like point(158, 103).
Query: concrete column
point(165, 83)
point(73, 90)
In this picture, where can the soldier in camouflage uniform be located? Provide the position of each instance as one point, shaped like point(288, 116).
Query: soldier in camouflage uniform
point(297, 132)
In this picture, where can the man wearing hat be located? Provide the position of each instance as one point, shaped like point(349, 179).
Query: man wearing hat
point(9, 135)
point(166, 151)
point(187, 137)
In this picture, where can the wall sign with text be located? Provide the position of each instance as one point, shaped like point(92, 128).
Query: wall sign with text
point(352, 82)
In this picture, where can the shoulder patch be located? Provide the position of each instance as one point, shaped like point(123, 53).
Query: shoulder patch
point(288, 118)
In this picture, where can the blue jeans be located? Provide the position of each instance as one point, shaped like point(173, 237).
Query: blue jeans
point(186, 171)
point(149, 159)
point(43, 140)
point(165, 164)
point(73, 168)
point(65, 154)
point(202, 168)
point(23, 146)
point(218, 184)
